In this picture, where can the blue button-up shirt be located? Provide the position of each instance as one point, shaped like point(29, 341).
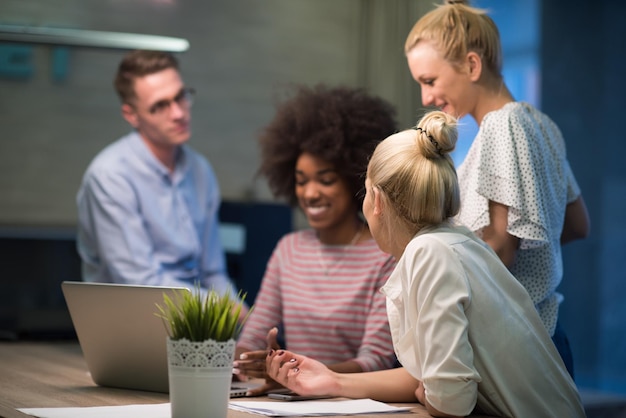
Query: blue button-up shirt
point(141, 224)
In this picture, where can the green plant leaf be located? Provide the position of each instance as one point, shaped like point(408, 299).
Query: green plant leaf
point(200, 315)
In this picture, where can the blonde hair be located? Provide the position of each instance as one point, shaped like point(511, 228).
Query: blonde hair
point(415, 174)
point(455, 29)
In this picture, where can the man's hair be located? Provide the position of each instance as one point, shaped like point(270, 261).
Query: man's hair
point(140, 63)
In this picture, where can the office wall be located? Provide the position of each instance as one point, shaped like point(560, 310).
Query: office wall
point(583, 89)
point(242, 54)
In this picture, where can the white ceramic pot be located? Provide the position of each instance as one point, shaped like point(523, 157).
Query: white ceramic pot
point(200, 374)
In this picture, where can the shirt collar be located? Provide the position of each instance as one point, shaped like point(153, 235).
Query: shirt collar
point(145, 155)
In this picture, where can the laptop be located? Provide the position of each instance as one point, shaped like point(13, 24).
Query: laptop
point(122, 340)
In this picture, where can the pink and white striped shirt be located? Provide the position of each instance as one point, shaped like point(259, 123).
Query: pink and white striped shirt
point(328, 298)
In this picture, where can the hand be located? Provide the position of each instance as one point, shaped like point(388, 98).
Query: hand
point(420, 393)
point(269, 386)
point(252, 363)
point(301, 374)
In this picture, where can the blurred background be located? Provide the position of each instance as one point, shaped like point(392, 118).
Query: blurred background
point(58, 109)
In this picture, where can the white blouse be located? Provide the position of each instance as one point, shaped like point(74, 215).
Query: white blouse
point(464, 326)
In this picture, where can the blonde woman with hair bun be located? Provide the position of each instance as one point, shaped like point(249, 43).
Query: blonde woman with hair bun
point(457, 315)
point(415, 170)
point(518, 191)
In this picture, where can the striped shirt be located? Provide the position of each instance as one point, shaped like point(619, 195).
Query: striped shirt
point(328, 299)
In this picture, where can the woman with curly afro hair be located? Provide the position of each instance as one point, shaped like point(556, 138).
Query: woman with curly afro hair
point(322, 284)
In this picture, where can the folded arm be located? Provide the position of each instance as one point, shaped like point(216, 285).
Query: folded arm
point(576, 224)
point(495, 234)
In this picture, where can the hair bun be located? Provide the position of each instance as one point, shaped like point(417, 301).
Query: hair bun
point(437, 134)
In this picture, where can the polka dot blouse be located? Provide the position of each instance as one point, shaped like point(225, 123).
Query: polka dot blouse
point(518, 159)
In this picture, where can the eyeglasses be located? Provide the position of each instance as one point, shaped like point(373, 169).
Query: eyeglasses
point(184, 99)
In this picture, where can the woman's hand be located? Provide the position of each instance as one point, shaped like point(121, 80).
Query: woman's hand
point(268, 386)
point(420, 393)
point(252, 364)
point(301, 374)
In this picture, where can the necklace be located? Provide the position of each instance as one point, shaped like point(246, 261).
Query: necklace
point(326, 266)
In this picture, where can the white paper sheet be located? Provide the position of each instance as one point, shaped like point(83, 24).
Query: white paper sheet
point(316, 408)
point(161, 410)
point(270, 409)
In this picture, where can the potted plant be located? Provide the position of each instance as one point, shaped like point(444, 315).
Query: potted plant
point(202, 328)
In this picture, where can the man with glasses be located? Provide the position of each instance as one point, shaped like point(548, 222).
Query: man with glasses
point(148, 203)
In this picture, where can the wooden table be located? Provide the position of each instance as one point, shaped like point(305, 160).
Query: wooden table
point(54, 374)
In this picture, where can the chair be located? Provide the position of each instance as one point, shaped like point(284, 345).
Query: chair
point(249, 232)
